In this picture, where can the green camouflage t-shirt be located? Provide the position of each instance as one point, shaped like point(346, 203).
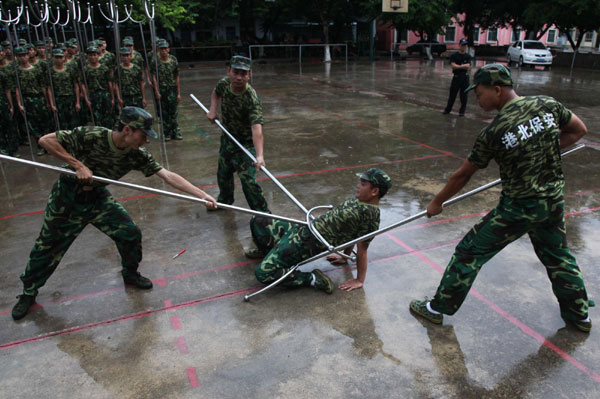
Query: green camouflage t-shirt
point(167, 72)
point(130, 80)
point(94, 147)
point(523, 139)
point(63, 82)
point(348, 221)
point(239, 111)
point(108, 59)
point(31, 81)
point(137, 59)
point(9, 71)
point(98, 77)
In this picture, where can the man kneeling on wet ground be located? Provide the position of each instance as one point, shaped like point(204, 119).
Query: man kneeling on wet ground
point(286, 244)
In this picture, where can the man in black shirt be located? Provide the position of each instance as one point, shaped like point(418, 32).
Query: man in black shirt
point(460, 62)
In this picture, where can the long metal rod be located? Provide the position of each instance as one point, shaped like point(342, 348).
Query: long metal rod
point(253, 158)
point(151, 190)
point(390, 227)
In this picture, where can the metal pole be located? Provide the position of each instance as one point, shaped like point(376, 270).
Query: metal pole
point(249, 154)
point(151, 190)
point(390, 227)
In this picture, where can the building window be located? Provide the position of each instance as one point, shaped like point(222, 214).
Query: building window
point(551, 36)
point(516, 35)
point(589, 36)
point(450, 36)
point(476, 34)
point(492, 35)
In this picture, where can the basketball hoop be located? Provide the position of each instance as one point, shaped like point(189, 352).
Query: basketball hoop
point(394, 5)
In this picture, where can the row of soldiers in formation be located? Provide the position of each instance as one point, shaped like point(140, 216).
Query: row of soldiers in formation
point(41, 95)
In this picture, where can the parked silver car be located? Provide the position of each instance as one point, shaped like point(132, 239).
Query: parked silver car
point(531, 52)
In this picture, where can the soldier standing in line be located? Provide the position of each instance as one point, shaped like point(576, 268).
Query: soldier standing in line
point(8, 51)
point(133, 87)
point(76, 201)
point(101, 96)
point(167, 90)
point(33, 88)
point(348, 221)
point(525, 140)
point(136, 57)
point(9, 141)
point(66, 92)
point(242, 117)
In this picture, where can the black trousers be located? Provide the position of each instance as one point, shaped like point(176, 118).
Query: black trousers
point(459, 84)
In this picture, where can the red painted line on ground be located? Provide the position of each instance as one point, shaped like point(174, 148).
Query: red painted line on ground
point(175, 323)
point(192, 377)
point(522, 326)
point(181, 345)
point(161, 282)
point(582, 211)
point(167, 302)
point(133, 316)
point(21, 214)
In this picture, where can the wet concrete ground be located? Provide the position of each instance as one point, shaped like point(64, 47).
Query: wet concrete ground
point(192, 336)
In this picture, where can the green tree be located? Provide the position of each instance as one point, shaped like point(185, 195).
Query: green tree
point(424, 17)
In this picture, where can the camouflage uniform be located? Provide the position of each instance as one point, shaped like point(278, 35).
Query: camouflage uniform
point(138, 59)
point(167, 87)
point(16, 121)
point(9, 141)
point(74, 66)
point(239, 113)
point(344, 223)
point(98, 80)
point(523, 139)
point(64, 95)
point(32, 84)
point(131, 90)
point(71, 205)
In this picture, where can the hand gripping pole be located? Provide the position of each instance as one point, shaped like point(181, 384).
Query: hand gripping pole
point(152, 190)
point(249, 154)
point(390, 227)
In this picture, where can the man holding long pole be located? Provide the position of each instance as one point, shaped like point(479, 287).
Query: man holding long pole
point(525, 140)
point(78, 201)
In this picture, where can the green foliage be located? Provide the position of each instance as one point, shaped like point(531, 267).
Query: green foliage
point(425, 17)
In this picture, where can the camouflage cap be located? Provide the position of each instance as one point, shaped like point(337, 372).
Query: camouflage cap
point(378, 178)
point(239, 62)
point(125, 51)
point(57, 52)
point(71, 44)
point(138, 118)
point(39, 43)
point(127, 42)
point(49, 40)
point(5, 43)
point(92, 49)
point(22, 42)
point(29, 46)
point(491, 75)
point(162, 44)
point(128, 38)
point(20, 50)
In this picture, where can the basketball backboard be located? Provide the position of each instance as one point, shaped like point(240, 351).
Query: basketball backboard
point(394, 5)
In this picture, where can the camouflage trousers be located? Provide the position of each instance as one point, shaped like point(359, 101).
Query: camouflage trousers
point(103, 110)
point(238, 161)
point(296, 245)
point(134, 101)
point(70, 208)
point(9, 139)
point(168, 104)
point(68, 117)
point(37, 116)
point(543, 220)
point(267, 232)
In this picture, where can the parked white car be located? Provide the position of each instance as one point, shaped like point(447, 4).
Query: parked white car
point(531, 52)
